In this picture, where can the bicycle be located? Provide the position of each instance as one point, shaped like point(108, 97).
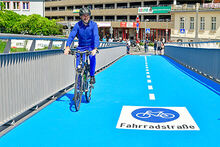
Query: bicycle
point(82, 79)
point(149, 113)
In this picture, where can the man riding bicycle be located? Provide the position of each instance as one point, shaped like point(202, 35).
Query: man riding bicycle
point(87, 32)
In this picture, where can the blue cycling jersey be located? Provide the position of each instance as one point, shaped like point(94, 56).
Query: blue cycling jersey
point(88, 40)
point(88, 35)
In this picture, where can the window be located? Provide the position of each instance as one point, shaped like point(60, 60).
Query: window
point(182, 22)
point(16, 5)
point(26, 6)
point(7, 5)
point(202, 23)
point(213, 23)
point(191, 23)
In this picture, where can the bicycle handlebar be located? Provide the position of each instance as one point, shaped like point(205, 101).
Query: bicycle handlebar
point(81, 52)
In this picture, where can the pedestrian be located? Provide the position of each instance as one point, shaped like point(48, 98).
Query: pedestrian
point(155, 46)
point(128, 44)
point(104, 39)
point(146, 45)
point(138, 45)
point(110, 40)
point(159, 46)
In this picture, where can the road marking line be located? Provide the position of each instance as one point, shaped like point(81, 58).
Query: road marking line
point(148, 76)
point(147, 69)
point(150, 87)
point(148, 81)
point(148, 73)
point(152, 96)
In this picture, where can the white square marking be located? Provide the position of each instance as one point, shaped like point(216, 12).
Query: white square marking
point(150, 87)
point(148, 81)
point(147, 69)
point(156, 119)
point(147, 73)
point(148, 76)
point(152, 96)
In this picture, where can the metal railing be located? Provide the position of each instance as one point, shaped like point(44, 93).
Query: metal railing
point(202, 57)
point(28, 78)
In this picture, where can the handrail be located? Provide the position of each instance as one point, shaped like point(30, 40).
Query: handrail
point(200, 45)
point(10, 37)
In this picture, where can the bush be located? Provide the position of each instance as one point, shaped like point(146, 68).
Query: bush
point(2, 46)
point(151, 44)
point(11, 22)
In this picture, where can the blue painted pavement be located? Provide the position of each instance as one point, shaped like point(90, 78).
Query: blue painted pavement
point(125, 84)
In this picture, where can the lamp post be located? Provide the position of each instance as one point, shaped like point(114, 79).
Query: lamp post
point(167, 37)
point(137, 21)
point(146, 20)
point(197, 17)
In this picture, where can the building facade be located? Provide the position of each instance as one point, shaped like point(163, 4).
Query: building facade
point(189, 25)
point(26, 7)
point(120, 15)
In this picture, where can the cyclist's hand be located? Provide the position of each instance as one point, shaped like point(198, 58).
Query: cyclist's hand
point(93, 52)
point(67, 50)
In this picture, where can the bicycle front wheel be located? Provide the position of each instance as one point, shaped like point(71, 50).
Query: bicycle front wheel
point(78, 91)
point(88, 88)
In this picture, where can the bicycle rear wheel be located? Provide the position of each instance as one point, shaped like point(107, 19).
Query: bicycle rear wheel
point(78, 91)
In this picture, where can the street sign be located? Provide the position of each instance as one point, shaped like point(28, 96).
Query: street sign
point(137, 19)
point(182, 31)
point(147, 31)
point(137, 25)
point(137, 29)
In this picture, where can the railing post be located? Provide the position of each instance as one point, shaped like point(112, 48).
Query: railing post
point(63, 45)
point(50, 45)
point(32, 48)
point(8, 46)
point(72, 45)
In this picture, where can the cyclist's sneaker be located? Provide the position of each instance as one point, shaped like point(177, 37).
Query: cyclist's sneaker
point(92, 80)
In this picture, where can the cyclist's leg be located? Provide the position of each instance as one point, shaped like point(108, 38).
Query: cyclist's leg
point(77, 59)
point(92, 64)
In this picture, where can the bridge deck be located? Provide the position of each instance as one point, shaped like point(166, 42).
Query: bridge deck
point(126, 83)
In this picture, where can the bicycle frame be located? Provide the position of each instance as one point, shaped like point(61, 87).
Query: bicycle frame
point(81, 78)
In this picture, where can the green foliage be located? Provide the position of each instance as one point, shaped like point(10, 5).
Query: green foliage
point(141, 43)
point(11, 22)
point(151, 44)
point(2, 46)
point(13, 50)
point(2, 6)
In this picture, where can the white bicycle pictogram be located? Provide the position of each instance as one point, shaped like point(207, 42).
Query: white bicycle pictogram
point(149, 113)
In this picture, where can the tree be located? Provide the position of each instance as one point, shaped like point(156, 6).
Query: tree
point(11, 22)
point(2, 6)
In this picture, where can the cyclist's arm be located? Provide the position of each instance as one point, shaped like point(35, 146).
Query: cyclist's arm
point(71, 37)
point(96, 36)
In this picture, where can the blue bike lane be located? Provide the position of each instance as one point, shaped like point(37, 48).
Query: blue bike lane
point(131, 83)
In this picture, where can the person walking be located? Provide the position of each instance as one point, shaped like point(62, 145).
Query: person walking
point(128, 44)
point(155, 46)
point(159, 46)
point(146, 45)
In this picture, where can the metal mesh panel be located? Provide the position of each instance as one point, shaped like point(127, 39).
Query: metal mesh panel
point(203, 59)
point(28, 78)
